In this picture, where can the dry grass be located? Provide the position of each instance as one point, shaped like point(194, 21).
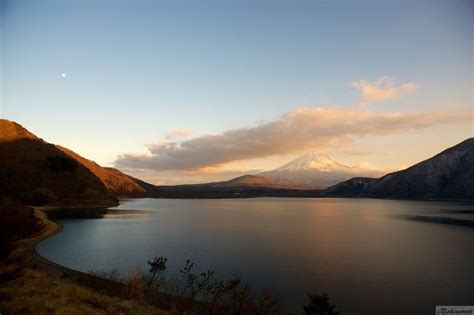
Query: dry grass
point(30, 286)
point(37, 292)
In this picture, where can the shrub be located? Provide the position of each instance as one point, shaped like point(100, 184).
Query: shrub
point(319, 304)
point(198, 292)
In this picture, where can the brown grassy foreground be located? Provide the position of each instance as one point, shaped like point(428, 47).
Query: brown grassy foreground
point(39, 292)
point(30, 284)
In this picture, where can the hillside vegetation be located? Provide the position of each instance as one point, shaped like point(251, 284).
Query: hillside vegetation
point(37, 172)
point(447, 175)
point(114, 180)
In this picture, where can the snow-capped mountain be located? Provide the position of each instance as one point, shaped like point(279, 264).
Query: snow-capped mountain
point(313, 161)
point(317, 171)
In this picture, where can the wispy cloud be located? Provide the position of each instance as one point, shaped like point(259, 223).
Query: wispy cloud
point(293, 132)
point(383, 89)
point(358, 152)
point(367, 169)
point(178, 133)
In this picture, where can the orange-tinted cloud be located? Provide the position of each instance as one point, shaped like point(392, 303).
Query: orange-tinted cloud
point(178, 133)
point(293, 132)
point(383, 89)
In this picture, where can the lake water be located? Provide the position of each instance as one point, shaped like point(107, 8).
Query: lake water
point(370, 256)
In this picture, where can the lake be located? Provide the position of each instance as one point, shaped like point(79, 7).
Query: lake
point(370, 256)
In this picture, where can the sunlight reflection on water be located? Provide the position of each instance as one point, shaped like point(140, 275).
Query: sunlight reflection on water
point(369, 255)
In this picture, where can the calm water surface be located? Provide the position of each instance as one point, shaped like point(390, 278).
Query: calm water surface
point(369, 255)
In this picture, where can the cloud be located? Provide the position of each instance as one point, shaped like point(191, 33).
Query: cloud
point(369, 169)
point(293, 132)
point(178, 133)
point(383, 89)
point(358, 152)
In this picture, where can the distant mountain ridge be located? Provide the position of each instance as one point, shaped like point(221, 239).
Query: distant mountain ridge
point(256, 180)
point(246, 186)
point(315, 171)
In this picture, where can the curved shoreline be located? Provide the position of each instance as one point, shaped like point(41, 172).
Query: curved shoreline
point(111, 288)
point(103, 285)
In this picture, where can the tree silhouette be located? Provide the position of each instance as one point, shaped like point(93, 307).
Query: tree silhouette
point(319, 304)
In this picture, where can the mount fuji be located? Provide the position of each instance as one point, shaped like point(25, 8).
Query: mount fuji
point(313, 170)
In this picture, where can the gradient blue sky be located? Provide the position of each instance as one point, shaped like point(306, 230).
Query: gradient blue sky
point(137, 69)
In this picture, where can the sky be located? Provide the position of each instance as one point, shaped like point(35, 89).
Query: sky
point(187, 91)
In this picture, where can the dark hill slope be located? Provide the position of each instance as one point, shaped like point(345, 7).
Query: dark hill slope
point(114, 180)
point(37, 172)
point(354, 187)
point(447, 175)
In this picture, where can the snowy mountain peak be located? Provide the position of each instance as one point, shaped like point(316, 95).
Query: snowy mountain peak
point(318, 171)
point(313, 161)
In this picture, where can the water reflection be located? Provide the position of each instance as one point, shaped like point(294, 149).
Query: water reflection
point(370, 256)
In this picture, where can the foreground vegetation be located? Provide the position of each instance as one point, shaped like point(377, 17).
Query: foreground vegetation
point(39, 292)
point(29, 284)
point(196, 293)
